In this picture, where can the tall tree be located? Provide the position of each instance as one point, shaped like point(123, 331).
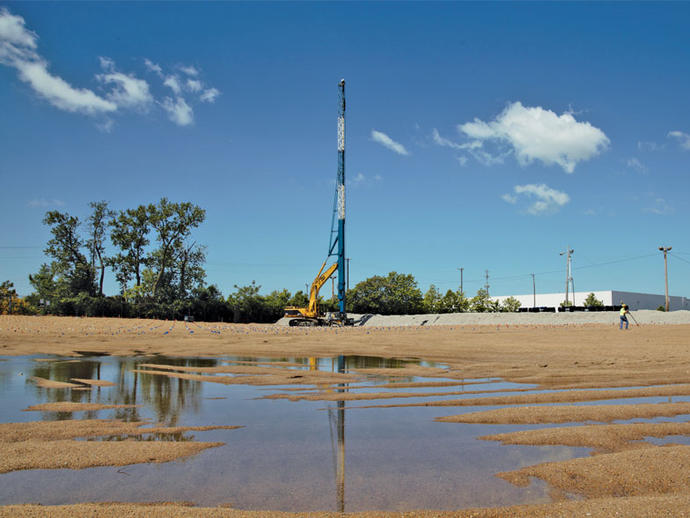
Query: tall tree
point(190, 268)
point(65, 247)
point(395, 294)
point(129, 231)
point(172, 223)
point(98, 222)
point(432, 300)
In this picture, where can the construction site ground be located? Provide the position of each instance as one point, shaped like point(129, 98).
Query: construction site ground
point(575, 360)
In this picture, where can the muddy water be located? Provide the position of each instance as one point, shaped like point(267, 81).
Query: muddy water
point(297, 456)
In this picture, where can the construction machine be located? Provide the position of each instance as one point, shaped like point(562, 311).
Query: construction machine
point(311, 315)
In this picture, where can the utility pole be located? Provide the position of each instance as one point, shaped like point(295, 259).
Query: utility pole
point(461, 290)
point(568, 274)
point(665, 250)
point(534, 291)
point(486, 286)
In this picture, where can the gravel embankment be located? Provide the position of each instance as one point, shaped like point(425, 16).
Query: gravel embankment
point(644, 316)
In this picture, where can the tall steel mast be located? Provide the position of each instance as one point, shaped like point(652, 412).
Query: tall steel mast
point(340, 185)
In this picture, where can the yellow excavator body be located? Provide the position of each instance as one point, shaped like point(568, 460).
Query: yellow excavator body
point(311, 315)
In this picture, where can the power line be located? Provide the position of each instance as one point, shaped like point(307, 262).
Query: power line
point(550, 272)
point(677, 257)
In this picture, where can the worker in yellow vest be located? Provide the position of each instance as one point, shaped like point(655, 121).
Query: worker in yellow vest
point(624, 316)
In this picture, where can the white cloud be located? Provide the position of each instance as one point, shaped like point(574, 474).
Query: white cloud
point(547, 199)
point(178, 111)
point(190, 70)
point(634, 163)
point(378, 177)
point(173, 83)
point(538, 134)
point(193, 85)
point(128, 91)
point(388, 142)
point(17, 50)
point(462, 160)
point(153, 67)
point(442, 141)
point(59, 92)
point(683, 138)
point(13, 32)
point(210, 95)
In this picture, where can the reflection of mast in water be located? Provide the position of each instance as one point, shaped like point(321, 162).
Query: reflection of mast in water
point(337, 421)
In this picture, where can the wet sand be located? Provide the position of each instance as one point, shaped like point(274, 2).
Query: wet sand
point(628, 476)
point(603, 438)
point(670, 505)
point(48, 444)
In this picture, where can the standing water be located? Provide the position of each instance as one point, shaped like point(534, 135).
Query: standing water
point(320, 450)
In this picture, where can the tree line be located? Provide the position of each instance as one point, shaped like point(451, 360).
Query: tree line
point(159, 268)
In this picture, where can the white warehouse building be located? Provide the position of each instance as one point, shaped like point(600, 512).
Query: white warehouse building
point(609, 298)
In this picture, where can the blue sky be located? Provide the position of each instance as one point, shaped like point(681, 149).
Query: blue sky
point(487, 136)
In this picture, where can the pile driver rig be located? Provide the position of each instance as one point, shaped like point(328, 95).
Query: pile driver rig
point(311, 315)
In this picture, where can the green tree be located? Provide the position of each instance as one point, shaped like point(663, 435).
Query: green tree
point(454, 302)
point(482, 302)
point(129, 231)
point(592, 301)
point(246, 303)
point(510, 305)
point(172, 224)
point(395, 294)
point(190, 269)
point(47, 289)
point(65, 247)
point(299, 300)
point(432, 300)
point(98, 224)
point(8, 298)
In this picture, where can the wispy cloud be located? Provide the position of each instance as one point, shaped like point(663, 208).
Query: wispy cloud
point(634, 163)
point(178, 111)
point(682, 138)
point(189, 70)
point(649, 146)
point(387, 142)
point(18, 47)
point(128, 91)
point(546, 199)
point(535, 133)
point(43, 203)
point(659, 206)
point(442, 141)
point(209, 95)
point(122, 90)
point(361, 179)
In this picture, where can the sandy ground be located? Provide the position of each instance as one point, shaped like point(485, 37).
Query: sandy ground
point(627, 477)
